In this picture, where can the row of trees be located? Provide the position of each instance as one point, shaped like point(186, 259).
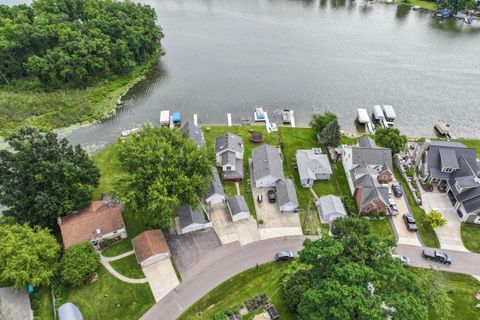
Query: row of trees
point(75, 42)
point(354, 276)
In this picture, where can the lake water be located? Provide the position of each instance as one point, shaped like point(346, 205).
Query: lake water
point(311, 56)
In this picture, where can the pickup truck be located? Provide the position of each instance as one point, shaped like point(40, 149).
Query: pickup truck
point(438, 256)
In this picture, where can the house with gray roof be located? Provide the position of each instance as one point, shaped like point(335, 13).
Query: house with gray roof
point(312, 165)
point(267, 166)
point(191, 219)
point(368, 169)
point(215, 193)
point(456, 166)
point(194, 133)
point(238, 208)
point(229, 156)
point(330, 208)
point(286, 195)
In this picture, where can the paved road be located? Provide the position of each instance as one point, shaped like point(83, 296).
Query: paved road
point(216, 268)
point(463, 262)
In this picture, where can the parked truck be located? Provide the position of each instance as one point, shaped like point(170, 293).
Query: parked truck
point(438, 256)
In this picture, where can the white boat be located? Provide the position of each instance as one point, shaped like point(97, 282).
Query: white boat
point(165, 118)
point(129, 131)
point(259, 115)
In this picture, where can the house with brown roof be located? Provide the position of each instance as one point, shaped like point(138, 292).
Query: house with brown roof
point(150, 247)
point(99, 221)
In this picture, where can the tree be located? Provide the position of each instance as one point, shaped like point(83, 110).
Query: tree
point(330, 135)
point(27, 255)
point(354, 276)
point(43, 178)
point(435, 219)
point(161, 170)
point(390, 138)
point(457, 5)
point(320, 121)
point(78, 264)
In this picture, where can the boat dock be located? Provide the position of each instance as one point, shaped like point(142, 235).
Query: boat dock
point(390, 115)
point(379, 116)
point(363, 118)
point(288, 117)
point(195, 119)
point(229, 119)
point(443, 128)
point(165, 118)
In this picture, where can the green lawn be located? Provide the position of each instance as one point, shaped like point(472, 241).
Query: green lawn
point(44, 309)
point(27, 103)
point(427, 233)
point(240, 288)
point(471, 237)
point(107, 161)
point(429, 5)
point(110, 298)
point(471, 143)
point(382, 228)
point(128, 267)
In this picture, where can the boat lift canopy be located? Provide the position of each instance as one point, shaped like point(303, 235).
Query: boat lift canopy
point(389, 112)
point(378, 113)
point(176, 117)
point(363, 115)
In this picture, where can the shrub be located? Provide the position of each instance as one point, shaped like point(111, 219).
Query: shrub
point(219, 315)
point(260, 221)
point(78, 264)
point(410, 172)
point(256, 302)
point(435, 219)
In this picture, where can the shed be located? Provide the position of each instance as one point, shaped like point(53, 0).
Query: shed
point(287, 195)
point(69, 311)
point(192, 219)
point(330, 208)
point(238, 208)
point(150, 247)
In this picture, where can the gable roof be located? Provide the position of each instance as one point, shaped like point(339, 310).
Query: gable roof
point(267, 162)
point(188, 216)
point(237, 204)
point(234, 174)
point(331, 204)
point(194, 133)
point(310, 163)
point(372, 156)
point(366, 142)
point(228, 141)
point(148, 244)
point(448, 158)
point(286, 192)
point(216, 185)
point(104, 216)
point(452, 153)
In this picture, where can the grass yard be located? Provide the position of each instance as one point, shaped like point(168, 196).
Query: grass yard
point(471, 236)
point(429, 5)
point(471, 143)
point(240, 288)
point(41, 303)
point(128, 267)
point(110, 298)
point(382, 228)
point(107, 161)
point(427, 233)
point(27, 103)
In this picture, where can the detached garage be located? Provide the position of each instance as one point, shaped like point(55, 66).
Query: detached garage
point(238, 208)
point(150, 247)
point(192, 219)
point(330, 208)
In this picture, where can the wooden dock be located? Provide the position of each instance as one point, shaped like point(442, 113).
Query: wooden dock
point(195, 119)
point(229, 119)
point(443, 128)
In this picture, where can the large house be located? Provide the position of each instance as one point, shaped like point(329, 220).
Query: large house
point(215, 193)
point(229, 156)
point(150, 247)
point(368, 168)
point(312, 165)
point(194, 133)
point(238, 208)
point(100, 221)
point(191, 219)
point(267, 166)
point(286, 195)
point(455, 165)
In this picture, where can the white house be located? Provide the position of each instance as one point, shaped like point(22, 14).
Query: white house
point(229, 156)
point(312, 165)
point(192, 220)
point(215, 193)
point(330, 208)
point(286, 195)
point(267, 166)
point(238, 208)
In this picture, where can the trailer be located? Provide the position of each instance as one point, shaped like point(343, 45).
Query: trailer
point(165, 118)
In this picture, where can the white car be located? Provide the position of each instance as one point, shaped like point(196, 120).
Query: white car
point(405, 260)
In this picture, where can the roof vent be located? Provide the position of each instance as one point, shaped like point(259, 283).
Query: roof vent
point(98, 231)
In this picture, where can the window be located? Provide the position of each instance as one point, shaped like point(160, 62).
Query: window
point(228, 168)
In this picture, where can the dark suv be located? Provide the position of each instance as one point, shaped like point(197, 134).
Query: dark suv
point(397, 190)
point(410, 222)
point(284, 255)
point(271, 196)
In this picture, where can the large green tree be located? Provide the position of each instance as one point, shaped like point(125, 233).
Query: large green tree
point(75, 42)
point(354, 276)
point(27, 255)
point(457, 5)
point(330, 135)
point(320, 121)
point(161, 170)
point(42, 177)
point(390, 138)
point(79, 263)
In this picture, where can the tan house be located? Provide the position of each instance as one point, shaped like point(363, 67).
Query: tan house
point(101, 220)
point(150, 247)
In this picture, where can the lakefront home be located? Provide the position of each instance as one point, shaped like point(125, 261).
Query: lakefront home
point(229, 156)
point(267, 166)
point(312, 165)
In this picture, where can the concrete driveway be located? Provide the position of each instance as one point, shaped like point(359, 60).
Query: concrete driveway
point(162, 278)
point(449, 234)
point(247, 231)
point(403, 235)
point(15, 304)
point(222, 223)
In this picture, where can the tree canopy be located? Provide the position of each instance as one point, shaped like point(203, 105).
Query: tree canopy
point(79, 263)
point(75, 42)
point(354, 276)
point(161, 170)
point(320, 120)
point(390, 138)
point(327, 128)
point(27, 255)
point(457, 5)
point(43, 178)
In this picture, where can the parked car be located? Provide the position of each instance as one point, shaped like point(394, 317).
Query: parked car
point(438, 256)
point(397, 190)
point(259, 198)
point(410, 222)
point(393, 209)
point(284, 255)
point(405, 260)
point(271, 196)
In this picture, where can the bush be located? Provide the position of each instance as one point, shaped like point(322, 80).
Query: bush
point(261, 221)
point(410, 172)
point(219, 315)
point(78, 264)
point(256, 302)
point(435, 219)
